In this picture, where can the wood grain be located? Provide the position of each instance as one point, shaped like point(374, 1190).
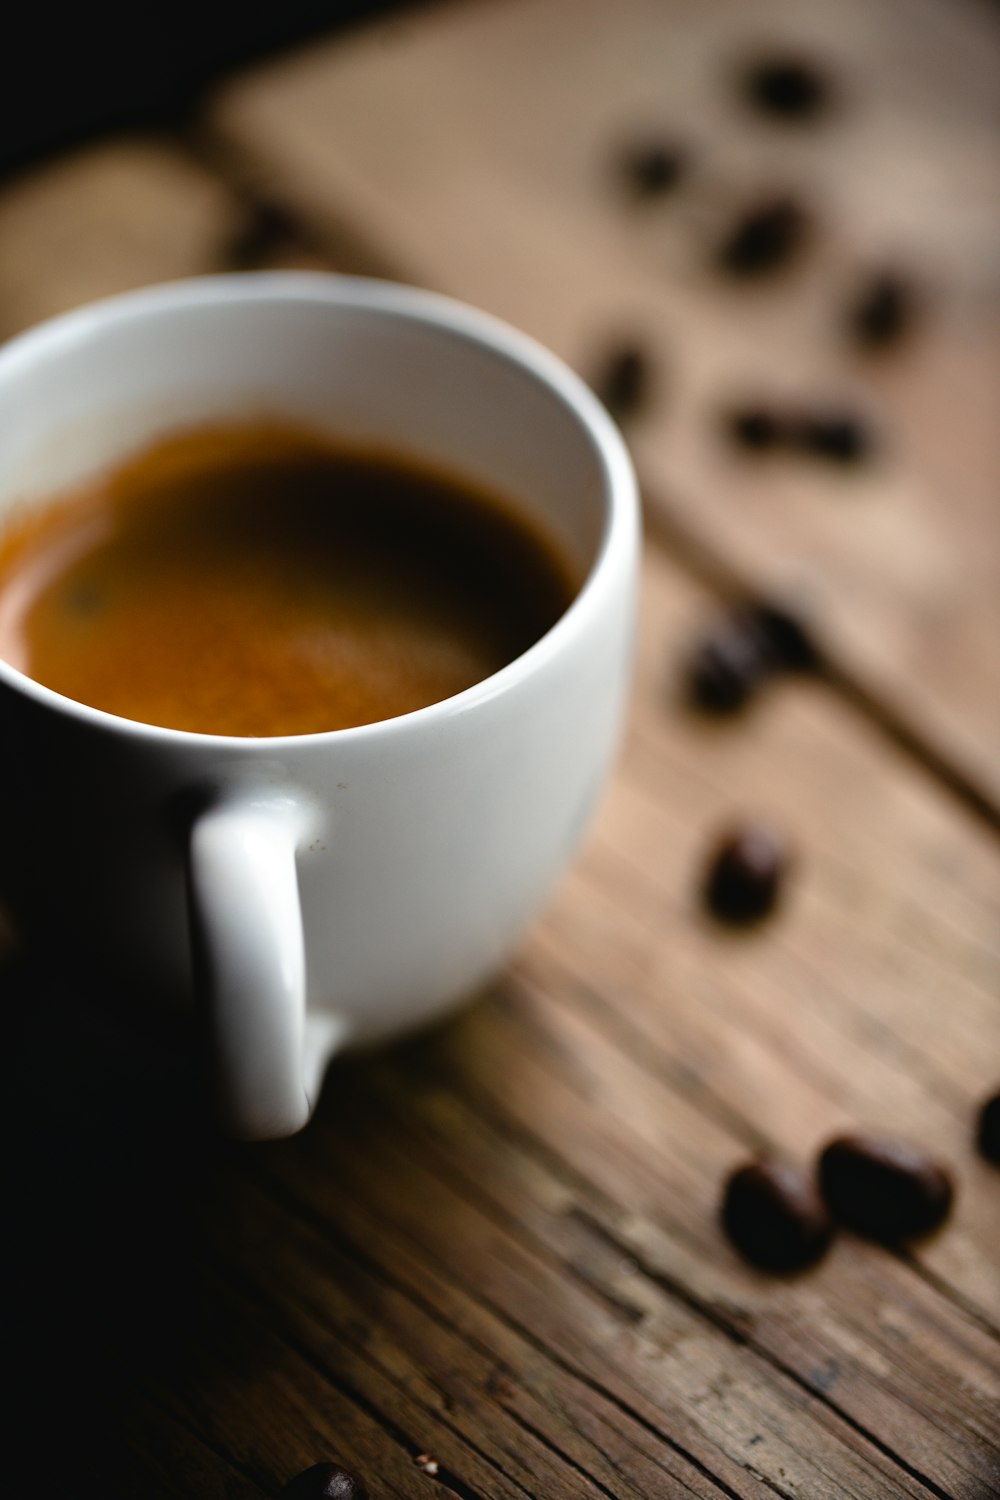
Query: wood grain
point(476, 152)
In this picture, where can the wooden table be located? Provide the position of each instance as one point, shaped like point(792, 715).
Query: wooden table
point(492, 1266)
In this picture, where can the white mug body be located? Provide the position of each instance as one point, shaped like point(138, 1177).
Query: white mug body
point(320, 890)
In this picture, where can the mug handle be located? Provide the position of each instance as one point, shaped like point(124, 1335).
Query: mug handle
point(250, 968)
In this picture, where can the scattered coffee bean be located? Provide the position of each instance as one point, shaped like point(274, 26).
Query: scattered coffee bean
point(325, 1482)
point(757, 428)
point(787, 87)
point(262, 232)
point(765, 238)
point(746, 873)
point(839, 437)
point(652, 169)
point(988, 1129)
point(623, 383)
point(740, 651)
point(728, 665)
point(774, 1215)
point(885, 1189)
point(789, 641)
point(883, 312)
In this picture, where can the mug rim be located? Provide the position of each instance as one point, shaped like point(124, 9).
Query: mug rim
point(620, 526)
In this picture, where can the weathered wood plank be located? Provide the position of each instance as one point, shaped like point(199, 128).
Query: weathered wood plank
point(474, 152)
point(671, 1369)
point(872, 1000)
point(600, 1103)
point(104, 220)
point(401, 1354)
point(499, 1243)
point(558, 1154)
point(526, 1201)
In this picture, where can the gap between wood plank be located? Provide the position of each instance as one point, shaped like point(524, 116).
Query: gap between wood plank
point(563, 1457)
point(951, 1294)
point(716, 573)
point(671, 1287)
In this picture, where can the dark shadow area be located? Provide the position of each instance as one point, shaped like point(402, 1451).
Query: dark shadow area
point(161, 1283)
point(78, 71)
point(115, 1182)
point(171, 1296)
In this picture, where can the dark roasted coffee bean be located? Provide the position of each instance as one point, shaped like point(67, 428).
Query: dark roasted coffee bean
point(789, 641)
point(988, 1129)
point(652, 169)
point(788, 87)
point(757, 428)
point(774, 1215)
point(325, 1482)
point(266, 229)
point(735, 657)
point(883, 312)
point(746, 872)
point(623, 383)
point(883, 1188)
point(765, 238)
point(841, 438)
point(728, 664)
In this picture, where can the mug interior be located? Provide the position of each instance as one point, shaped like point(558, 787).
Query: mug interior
point(362, 361)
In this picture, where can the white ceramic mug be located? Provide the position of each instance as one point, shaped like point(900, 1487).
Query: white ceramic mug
point(334, 888)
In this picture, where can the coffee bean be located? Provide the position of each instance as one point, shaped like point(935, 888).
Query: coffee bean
point(765, 238)
point(883, 312)
point(882, 1188)
point(746, 872)
point(839, 437)
point(740, 651)
point(757, 428)
point(623, 383)
point(787, 87)
point(325, 1482)
point(988, 1129)
point(774, 1215)
point(728, 665)
point(789, 641)
point(652, 168)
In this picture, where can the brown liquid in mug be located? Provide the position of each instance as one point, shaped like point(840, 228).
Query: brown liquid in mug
point(259, 580)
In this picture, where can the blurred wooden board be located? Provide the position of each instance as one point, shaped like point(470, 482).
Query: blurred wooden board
point(106, 219)
point(497, 1243)
point(474, 150)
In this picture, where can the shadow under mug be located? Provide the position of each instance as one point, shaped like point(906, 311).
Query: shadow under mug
point(315, 891)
